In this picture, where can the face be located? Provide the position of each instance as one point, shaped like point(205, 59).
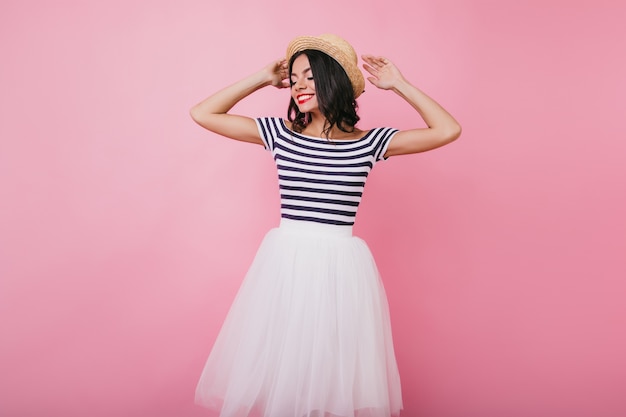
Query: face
point(303, 85)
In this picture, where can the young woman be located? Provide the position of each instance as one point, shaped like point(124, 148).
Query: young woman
point(308, 334)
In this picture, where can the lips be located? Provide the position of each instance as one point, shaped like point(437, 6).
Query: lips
point(303, 98)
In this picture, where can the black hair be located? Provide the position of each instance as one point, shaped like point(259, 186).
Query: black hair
point(335, 95)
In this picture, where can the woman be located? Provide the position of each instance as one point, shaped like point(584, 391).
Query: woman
point(308, 334)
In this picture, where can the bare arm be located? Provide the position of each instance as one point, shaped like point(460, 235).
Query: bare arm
point(212, 113)
point(442, 127)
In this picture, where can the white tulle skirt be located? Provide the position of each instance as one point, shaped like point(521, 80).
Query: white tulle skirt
point(308, 334)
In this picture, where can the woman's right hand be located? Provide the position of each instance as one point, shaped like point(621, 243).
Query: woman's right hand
point(277, 72)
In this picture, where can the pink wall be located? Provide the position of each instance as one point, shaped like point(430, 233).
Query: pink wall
point(125, 229)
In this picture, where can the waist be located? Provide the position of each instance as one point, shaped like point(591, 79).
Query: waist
point(314, 228)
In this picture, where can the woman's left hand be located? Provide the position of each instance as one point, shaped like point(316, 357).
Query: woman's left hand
point(384, 73)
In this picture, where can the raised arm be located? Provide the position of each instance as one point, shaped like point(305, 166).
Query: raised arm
point(442, 127)
point(212, 113)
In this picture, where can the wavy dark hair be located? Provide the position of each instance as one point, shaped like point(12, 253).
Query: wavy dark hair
point(335, 95)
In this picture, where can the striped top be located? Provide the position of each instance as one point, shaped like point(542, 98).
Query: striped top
point(321, 180)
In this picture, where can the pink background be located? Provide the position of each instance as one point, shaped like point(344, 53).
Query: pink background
point(125, 229)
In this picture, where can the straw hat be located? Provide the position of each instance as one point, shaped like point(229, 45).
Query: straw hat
point(337, 48)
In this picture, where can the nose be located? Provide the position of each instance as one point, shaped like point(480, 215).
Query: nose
point(300, 83)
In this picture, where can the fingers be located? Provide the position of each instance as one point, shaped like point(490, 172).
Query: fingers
point(279, 73)
point(373, 80)
point(376, 62)
point(370, 69)
point(282, 68)
point(375, 65)
point(279, 65)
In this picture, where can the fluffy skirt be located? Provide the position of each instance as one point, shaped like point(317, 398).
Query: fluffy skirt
point(308, 334)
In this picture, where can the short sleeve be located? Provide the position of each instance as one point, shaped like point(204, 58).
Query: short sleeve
point(267, 130)
point(383, 138)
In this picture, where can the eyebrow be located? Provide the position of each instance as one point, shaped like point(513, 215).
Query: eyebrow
point(304, 72)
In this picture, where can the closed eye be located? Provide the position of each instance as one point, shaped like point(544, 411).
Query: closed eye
point(292, 82)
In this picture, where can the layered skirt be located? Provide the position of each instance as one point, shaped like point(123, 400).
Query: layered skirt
point(308, 334)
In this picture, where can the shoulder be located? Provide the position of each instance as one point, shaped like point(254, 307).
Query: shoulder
point(274, 123)
point(381, 137)
point(383, 133)
point(273, 129)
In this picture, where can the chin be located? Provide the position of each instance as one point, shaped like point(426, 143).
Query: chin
point(307, 108)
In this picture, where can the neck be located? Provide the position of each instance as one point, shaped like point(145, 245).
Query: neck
point(317, 125)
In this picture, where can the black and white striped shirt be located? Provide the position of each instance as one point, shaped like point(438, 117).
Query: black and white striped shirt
point(321, 180)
